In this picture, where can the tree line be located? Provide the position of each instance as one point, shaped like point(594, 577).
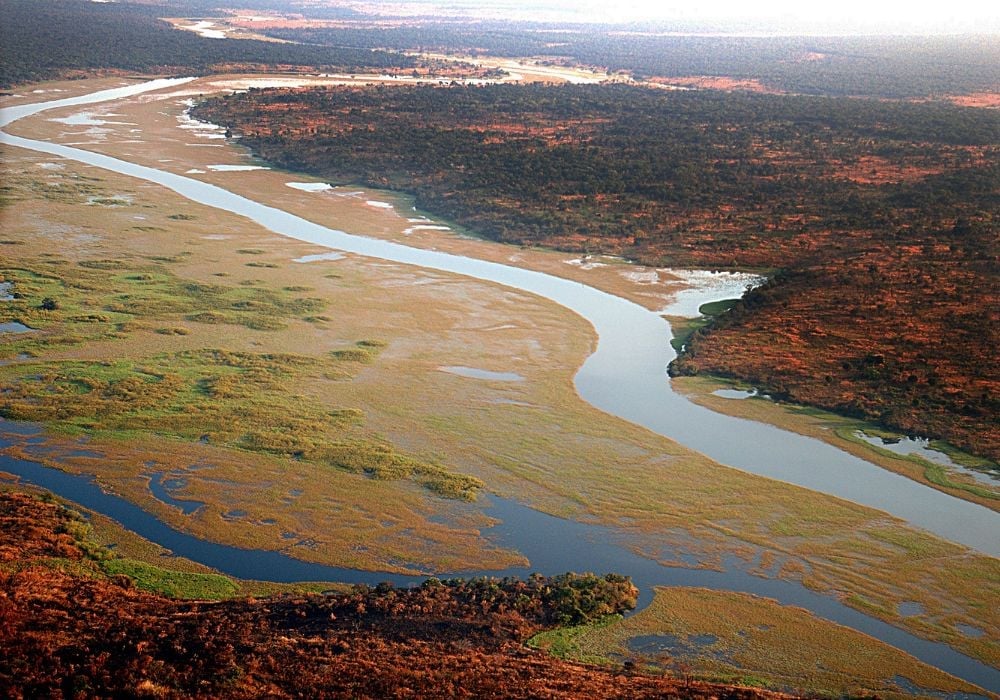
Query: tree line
point(896, 67)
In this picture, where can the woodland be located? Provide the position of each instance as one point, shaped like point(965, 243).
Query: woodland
point(72, 38)
point(876, 219)
point(69, 630)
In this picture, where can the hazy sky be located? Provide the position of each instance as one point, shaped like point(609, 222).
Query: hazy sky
point(903, 16)
point(902, 13)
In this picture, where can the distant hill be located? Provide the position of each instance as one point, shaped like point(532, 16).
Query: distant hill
point(899, 67)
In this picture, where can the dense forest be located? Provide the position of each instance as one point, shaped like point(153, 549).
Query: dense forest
point(66, 630)
point(60, 38)
point(897, 67)
point(881, 215)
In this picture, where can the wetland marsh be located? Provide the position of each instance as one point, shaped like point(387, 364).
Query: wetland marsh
point(649, 488)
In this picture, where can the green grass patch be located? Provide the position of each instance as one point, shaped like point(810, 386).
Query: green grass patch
point(682, 330)
point(717, 308)
point(569, 642)
point(109, 298)
point(176, 584)
point(231, 399)
point(175, 258)
point(364, 351)
point(963, 458)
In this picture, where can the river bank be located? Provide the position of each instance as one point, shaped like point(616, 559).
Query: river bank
point(624, 330)
point(644, 481)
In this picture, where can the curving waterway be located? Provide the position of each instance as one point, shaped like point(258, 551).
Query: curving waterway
point(625, 376)
point(567, 546)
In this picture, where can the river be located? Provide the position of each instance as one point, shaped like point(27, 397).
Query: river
point(625, 376)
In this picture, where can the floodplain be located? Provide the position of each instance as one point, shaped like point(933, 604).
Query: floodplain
point(533, 439)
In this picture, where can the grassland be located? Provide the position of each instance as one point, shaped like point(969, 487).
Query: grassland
point(235, 399)
point(533, 440)
point(693, 632)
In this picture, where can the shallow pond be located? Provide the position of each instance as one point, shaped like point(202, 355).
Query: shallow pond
point(707, 286)
point(14, 327)
point(921, 447)
point(735, 393)
point(162, 486)
point(473, 373)
point(671, 646)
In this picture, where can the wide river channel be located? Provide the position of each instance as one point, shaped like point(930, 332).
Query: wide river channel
point(625, 376)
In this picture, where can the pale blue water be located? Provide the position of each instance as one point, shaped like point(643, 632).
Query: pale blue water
point(921, 447)
point(14, 327)
point(473, 373)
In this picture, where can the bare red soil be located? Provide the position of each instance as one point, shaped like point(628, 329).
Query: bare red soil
point(715, 82)
point(989, 100)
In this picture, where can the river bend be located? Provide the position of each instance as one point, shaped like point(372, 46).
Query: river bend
point(625, 376)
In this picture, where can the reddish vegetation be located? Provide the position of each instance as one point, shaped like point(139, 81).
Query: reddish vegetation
point(902, 334)
point(882, 216)
point(63, 635)
point(875, 170)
